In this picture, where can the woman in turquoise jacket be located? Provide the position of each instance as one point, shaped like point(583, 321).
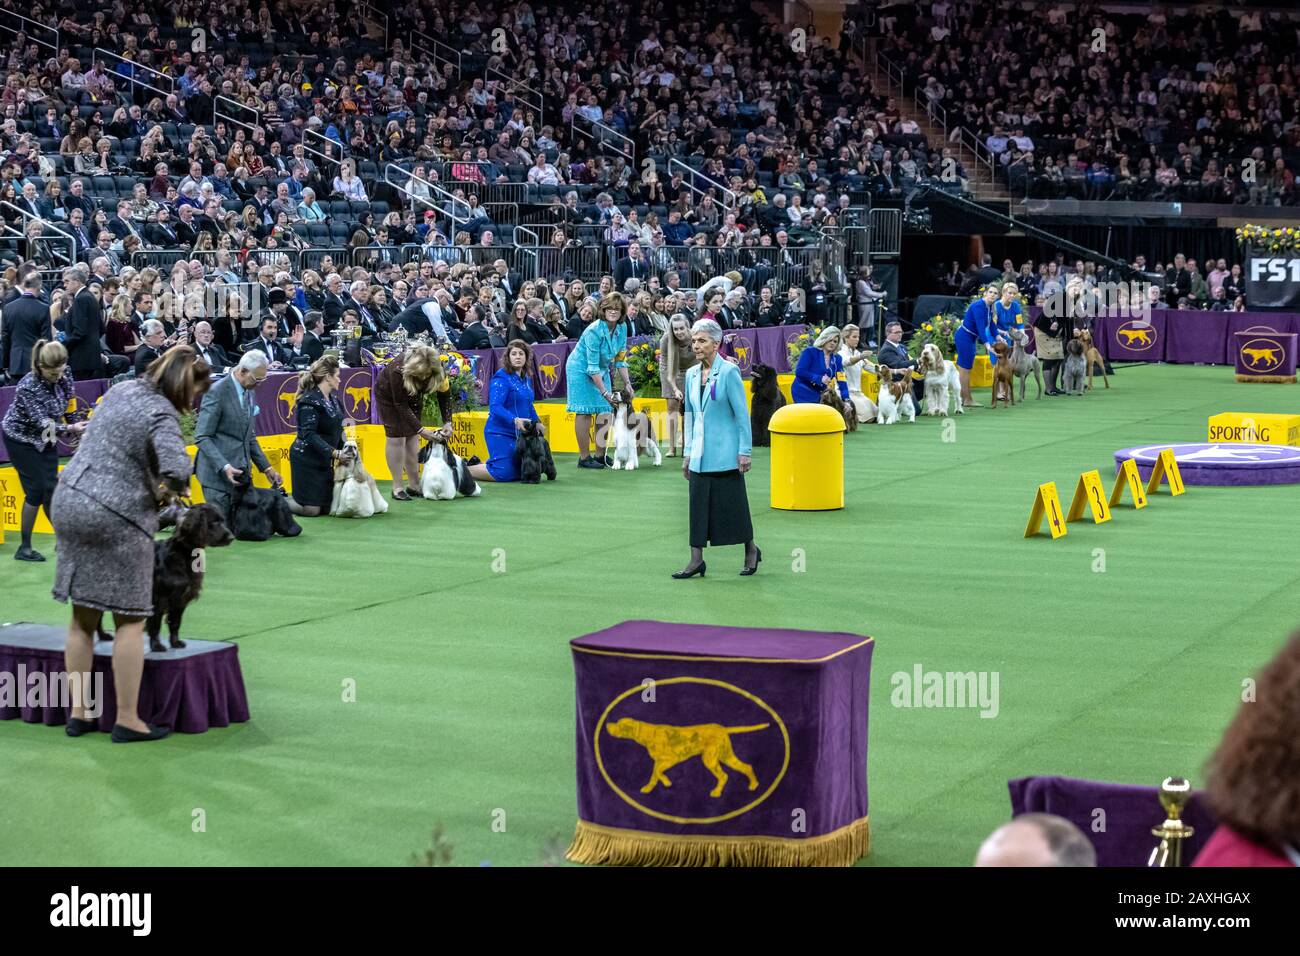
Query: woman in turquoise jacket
point(716, 453)
point(601, 348)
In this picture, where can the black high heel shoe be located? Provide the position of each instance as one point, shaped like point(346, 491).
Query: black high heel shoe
point(690, 572)
point(747, 570)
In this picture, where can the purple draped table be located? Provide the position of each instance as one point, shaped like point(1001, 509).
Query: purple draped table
point(189, 690)
point(1118, 818)
point(721, 746)
point(276, 400)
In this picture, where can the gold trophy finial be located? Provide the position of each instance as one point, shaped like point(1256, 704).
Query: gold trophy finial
point(1174, 794)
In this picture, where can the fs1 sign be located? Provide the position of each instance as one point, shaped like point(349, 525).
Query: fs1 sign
point(1273, 282)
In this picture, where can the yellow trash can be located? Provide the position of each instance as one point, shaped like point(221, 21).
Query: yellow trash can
point(807, 458)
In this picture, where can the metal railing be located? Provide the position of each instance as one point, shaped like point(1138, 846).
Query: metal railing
point(117, 61)
point(437, 51)
point(220, 114)
point(373, 12)
point(946, 121)
point(689, 176)
point(604, 137)
point(50, 231)
point(26, 28)
point(886, 232)
point(326, 150)
point(438, 199)
point(530, 97)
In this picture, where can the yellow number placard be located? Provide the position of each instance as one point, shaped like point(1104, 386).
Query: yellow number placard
point(1089, 494)
point(1128, 475)
point(1047, 504)
point(1166, 467)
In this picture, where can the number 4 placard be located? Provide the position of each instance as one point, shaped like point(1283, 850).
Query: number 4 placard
point(1047, 504)
point(1088, 494)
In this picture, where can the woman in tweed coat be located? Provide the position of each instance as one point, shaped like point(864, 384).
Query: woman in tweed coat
point(105, 517)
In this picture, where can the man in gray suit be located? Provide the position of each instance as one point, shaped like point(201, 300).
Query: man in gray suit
point(224, 434)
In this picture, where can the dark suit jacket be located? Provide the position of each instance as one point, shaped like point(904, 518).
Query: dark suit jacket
point(159, 235)
point(313, 345)
point(186, 234)
point(26, 320)
point(895, 356)
point(215, 356)
point(476, 336)
point(144, 355)
point(84, 326)
point(627, 268)
point(274, 351)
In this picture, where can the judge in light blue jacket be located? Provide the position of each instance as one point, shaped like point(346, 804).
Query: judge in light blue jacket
point(716, 453)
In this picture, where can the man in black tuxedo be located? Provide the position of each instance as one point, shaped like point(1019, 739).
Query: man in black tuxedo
point(26, 321)
point(154, 335)
point(483, 332)
point(632, 266)
point(186, 228)
point(208, 350)
point(285, 315)
point(266, 342)
point(163, 232)
point(313, 339)
point(510, 281)
point(83, 327)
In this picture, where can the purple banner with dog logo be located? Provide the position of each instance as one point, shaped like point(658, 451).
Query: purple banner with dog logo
point(702, 743)
point(550, 380)
point(1262, 355)
point(1127, 339)
point(86, 395)
point(277, 397)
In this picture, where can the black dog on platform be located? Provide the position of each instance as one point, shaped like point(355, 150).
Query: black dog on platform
point(178, 566)
point(767, 399)
point(258, 513)
point(534, 456)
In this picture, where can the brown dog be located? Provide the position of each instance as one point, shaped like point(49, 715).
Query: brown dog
point(1092, 354)
point(1003, 375)
point(831, 397)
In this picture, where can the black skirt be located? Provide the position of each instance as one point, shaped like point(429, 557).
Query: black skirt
point(38, 469)
point(719, 509)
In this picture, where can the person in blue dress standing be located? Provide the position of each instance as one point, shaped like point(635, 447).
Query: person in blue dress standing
point(601, 348)
point(510, 406)
point(1010, 315)
point(819, 368)
point(716, 455)
point(979, 324)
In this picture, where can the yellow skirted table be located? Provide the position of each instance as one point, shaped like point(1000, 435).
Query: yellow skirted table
point(700, 745)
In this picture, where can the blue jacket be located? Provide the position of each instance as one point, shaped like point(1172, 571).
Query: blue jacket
point(980, 323)
point(808, 374)
point(511, 398)
point(717, 427)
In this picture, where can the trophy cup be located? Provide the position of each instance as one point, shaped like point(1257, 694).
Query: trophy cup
point(1174, 794)
point(398, 337)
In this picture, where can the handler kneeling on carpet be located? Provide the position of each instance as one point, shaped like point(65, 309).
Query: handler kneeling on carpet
point(717, 453)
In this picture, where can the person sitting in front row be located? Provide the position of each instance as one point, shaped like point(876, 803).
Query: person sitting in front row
point(819, 368)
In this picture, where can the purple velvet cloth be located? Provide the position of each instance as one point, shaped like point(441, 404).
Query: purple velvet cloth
point(551, 380)
point(810, 689)
point(189, 690)
point(1264, 353)
point(1131, 812)
point(276, 400)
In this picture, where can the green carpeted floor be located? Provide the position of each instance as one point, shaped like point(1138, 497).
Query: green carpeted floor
point(464, 700)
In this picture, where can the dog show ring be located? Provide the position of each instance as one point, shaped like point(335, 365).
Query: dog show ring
point(807, 458)
point(1225, 463)
point(701, 745)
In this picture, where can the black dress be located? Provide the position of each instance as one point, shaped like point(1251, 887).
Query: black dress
point(311, 457)
point(719, 506)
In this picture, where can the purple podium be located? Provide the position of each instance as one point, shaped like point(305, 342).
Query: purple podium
point(190, 690)
point(701, 745)
point(1263, 355)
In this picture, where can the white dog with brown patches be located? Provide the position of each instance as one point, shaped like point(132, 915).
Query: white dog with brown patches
point(942, 385)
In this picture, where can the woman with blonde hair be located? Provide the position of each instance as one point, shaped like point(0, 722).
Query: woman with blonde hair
point(319, 445)
point(399, 393)
point(118, 332)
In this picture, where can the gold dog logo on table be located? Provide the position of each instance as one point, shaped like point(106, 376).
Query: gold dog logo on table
point(674, 749)
point(1262, 355)
point(1136, 335)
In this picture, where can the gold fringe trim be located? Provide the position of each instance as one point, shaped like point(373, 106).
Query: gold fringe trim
point(1266, 378)
point(594, 844)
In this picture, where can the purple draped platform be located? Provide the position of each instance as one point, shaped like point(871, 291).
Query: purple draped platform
point(1123, 836)
point(721, 745)
point(189, 690)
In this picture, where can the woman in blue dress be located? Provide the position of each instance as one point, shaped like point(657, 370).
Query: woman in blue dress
point(510, 405)
point(1010, 315)
point(979, 324)
point(602, 347)
point(819, 367)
